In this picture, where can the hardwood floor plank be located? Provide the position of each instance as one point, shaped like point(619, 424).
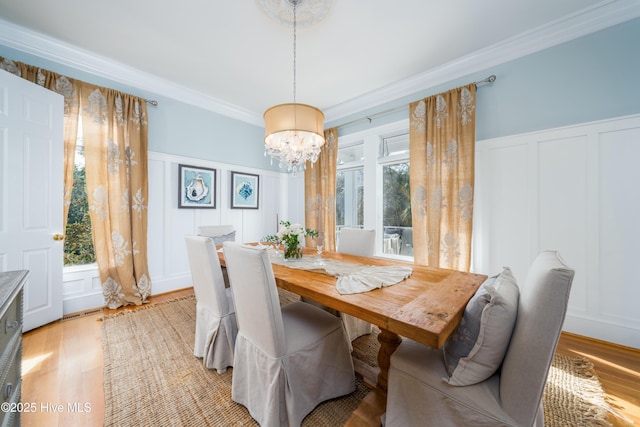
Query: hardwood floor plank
point(618, 369)
point(63, 364)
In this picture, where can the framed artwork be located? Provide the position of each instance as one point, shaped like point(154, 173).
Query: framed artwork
point(196, 187)
point(245, 189)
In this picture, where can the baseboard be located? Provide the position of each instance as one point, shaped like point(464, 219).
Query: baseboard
point(602, 343)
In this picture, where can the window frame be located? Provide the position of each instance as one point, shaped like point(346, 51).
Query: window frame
point(383, 161)
point(372, 175)
point(350, 166)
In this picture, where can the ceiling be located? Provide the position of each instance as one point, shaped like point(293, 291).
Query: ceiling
point(238, 59)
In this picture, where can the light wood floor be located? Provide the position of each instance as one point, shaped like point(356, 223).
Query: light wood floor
point(63, 372)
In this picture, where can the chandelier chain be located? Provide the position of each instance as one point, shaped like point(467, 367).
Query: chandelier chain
point(294, 51)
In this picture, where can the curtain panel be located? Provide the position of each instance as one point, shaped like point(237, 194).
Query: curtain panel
point(320, 193)
point(115, 138)
point(441, 156)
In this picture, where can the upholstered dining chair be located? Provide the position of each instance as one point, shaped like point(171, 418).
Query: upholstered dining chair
point(430, 387)
point(219, 233)
point(287, 359)
point(216, 327)
point(356, 241)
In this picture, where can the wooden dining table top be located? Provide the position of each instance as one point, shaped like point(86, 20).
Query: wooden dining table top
point(426, 307)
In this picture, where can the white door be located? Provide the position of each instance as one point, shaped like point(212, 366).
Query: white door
point(31, 193)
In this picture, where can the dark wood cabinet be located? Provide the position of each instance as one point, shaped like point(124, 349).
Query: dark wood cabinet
point(11, 298)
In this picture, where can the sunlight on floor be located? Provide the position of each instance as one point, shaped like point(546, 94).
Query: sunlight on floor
point(32, 362)
point(619, 406)
point(626, 371)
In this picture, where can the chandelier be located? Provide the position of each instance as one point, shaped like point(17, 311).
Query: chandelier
point(294, 133)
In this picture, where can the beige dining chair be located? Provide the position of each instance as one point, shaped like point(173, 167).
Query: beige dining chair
point(219, 233)
point(216, 327)
point(287, 359)
point(356, 241)
point(420, 390)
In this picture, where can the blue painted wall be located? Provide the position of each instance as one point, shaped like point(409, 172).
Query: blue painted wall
point(590, 78)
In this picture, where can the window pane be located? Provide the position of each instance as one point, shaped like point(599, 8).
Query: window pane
point(349, 198)
point(396, 217)
point(352, 153)
point(395, 145)
point(78, 243)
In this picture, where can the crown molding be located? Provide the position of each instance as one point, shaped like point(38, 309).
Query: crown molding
point(600, 16)
point(31, 42)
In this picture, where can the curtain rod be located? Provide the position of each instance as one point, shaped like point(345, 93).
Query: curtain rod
point(490, 79)
point(152, 102)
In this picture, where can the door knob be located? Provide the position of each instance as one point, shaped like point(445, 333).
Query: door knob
point(58, 237)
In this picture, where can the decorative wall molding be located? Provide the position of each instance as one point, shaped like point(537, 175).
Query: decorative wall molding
point(602, 15)
point(567, 189)
point(167, 226)
point(37, 44)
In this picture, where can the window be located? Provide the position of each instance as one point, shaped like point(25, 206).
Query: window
point(396, 195)
point(349, 198)
point(78, 243)
point(373, 187)
point(350, 187)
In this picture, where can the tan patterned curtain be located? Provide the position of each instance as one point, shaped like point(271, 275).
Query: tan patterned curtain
point(320, 192)
point(69, 89)
point(441, 147)
point(115, 139)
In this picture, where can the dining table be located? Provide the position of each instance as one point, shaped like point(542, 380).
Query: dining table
point(426, 306)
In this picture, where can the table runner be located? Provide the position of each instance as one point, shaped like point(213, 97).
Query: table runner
point(351, 278)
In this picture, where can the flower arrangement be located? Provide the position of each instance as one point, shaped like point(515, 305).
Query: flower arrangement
point(290, 235)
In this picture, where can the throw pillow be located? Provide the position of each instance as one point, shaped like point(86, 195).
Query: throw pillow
point(477, 347)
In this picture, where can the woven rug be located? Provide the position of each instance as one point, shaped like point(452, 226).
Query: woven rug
point(151, 378)
point(573, 395)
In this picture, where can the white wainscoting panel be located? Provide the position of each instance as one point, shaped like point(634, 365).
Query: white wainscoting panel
point(167, 226)
point(619, 225)
point(168, 263)
point(575, 190)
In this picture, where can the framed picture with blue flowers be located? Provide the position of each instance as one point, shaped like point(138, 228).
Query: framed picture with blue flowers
point(196, 187)
point(245, 189)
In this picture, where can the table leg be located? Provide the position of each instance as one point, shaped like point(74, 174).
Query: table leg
point(389, 341)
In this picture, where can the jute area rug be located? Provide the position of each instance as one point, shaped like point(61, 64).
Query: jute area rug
point(151, 378)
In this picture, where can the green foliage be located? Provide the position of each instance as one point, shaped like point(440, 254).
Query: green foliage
point(78, 243)
point(397, 195)
point(340, 198)
point(396, 203)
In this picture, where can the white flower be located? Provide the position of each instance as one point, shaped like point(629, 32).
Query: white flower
point(290, 234)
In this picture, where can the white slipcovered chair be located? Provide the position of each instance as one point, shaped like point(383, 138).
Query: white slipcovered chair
point(215, 312)
point(356, 241)
point(219, 233)
point(421, 393)
point(287, 360)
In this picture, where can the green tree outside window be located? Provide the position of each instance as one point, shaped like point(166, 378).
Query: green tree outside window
point(78, 243)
